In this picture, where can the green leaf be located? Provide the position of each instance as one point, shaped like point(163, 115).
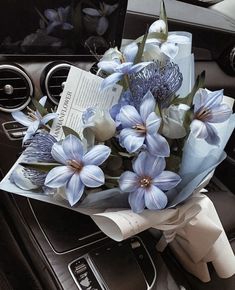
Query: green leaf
point(45, 167)
point(43, 111)
point(141, 48)
point(163, 15)
point(68, 131)
point(188, 100)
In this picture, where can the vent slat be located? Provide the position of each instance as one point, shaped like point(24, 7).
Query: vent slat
point(15, 98)
point(57, 76)
point(21, 87)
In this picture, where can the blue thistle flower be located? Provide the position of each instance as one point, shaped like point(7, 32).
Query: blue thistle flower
point(40, 147)
point(162, 81)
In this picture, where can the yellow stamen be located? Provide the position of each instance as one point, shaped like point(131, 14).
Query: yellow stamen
point(140, 128)
point(145, 181)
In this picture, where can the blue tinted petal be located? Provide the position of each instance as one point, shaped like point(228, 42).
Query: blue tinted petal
point(212, 137)
point(199, 129)
point(128, 181)
point(133, 143)
point(124, 67)
point(92, 176)
point(147, 106)
point(22, 118)
point(97, 155)
point(43, 100)
point(108, 66)
point(73, 148)
point(153, 123)
point(91, 11)
point(51, 14)
point(129, 116)
point(67, 26)
point(155, 198)
point(102, 26)
point(157, 145)
point(139, 164)
point(154, 165)
point(219, 114)
point(48, 118)
point(58, 153)
point(166, 180)
point(58, 176)
point(74, 189)
point(136, 200)
point(207, 99)
point(111, 80)
point(130, 52)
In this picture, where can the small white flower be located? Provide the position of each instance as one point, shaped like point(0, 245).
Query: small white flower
point(98, 124)
point(173, 119)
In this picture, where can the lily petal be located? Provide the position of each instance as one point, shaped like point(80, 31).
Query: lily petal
point(97, 155)
point(108, 9)
point(166, 180)
point(147, 106)
point(129, 116)
point(58, 176)
point(92, 176)
point(157, 145)
point(74, 189)
point(111, 80)
point(51, 14)
point(139, 162)
point(155, 198)
point(48, 117)
point(199, 129)
point(91, 12)
point(42, 101)
point(108, 66)
point(22, 118)
point(133, 143)
point(212, 137)
point(128, 181)
point(153, 123)
point(154, 166)
point(136, 200)
point(73, 148)
point(207, 99)
point(219, 113)
point(58, 153)
point(103, 25)
point(124, 68)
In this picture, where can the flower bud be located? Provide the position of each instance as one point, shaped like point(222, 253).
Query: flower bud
point(173, 119)
point(98, 123)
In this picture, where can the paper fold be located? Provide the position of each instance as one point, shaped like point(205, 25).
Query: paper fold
point(194, 231)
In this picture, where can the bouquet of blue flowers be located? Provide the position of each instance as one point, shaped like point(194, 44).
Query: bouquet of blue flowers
point(153, 149)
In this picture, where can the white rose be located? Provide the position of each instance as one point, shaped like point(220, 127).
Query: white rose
point(99, 126)
point(173, 119)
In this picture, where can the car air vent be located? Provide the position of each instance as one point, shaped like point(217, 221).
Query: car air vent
point(16, 88)
point(55, 80)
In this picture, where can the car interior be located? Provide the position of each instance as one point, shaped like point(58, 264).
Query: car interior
point(44, 246)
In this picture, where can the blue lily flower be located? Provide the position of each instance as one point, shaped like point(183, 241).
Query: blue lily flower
point(102, 13)
point(79, 169)
point(34, 120)
point(208, 108)
point(141, 128)
point(58, 19)
point(119, 67)
point(146, 185)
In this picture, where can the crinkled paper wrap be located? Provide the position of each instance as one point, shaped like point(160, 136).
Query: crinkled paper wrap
point(193, 230)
